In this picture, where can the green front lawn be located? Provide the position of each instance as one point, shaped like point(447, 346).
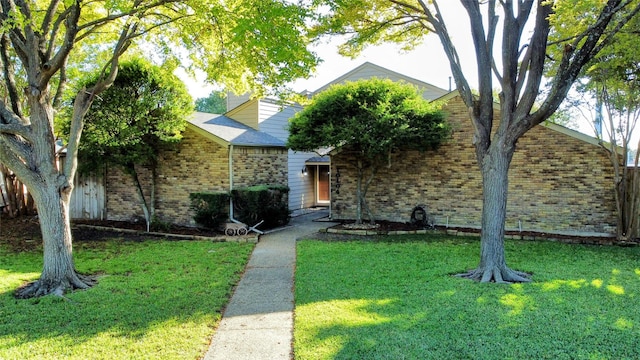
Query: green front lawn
point(397, 300)
point(155, 300)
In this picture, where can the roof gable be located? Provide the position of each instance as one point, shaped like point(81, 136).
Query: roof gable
point(368, 70)
point(226, 131)
point(549, 125)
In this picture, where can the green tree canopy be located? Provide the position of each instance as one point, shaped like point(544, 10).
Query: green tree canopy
point(143, 112)
point(45, 46)
point(371, 118)
point(513, 49)
point(215, 103)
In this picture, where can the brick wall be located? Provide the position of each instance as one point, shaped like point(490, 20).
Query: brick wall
point(557, 183)
point(253, 166)
point(196, 164)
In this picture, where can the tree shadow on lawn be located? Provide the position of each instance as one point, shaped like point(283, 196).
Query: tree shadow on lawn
point(163, 289)
point(428, 315)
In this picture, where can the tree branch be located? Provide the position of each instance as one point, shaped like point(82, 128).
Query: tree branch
point(85, 97)
point(440, 29)
point(53, 34)
point(9, 78)
point(53, 65)
point(8, 117)
point(17, 129)
point(481, 111)
point(88, 28)
point(62, 82)
point(15, 161)
point(17, 39)
point(576, 57)
point(48, 18)
point(493, 24)
point(535, 59)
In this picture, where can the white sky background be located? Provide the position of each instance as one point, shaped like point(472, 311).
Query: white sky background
point(427, 62)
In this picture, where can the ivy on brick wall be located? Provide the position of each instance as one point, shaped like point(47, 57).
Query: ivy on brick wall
point(211, 209)
point(262, 202)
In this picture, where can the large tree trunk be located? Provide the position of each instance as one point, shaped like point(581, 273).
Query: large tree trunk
point(58, 272)
point(51, 190)
point(495, 184)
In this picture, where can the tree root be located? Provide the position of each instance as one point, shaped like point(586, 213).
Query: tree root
point(43, 287)
point(496, 274)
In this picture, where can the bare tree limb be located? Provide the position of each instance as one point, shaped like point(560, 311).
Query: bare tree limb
point(574, 58)
point(491, 34)
point(17, 129)
point(48, 18)
point(14, 155)
point(9, 77)
point(17, 39)
point(440, 29)
point(51, 66)
point(535, 59)
point(85, 98)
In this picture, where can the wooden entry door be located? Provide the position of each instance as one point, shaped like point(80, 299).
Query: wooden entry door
point(322, 187)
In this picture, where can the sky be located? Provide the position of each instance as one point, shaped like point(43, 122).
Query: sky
point(427, 62)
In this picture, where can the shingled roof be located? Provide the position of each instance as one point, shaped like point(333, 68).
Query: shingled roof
point(231, 132)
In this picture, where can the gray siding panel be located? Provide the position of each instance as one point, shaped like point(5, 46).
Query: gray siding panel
point(368, 70)
point(301, 193)
point(274, 118)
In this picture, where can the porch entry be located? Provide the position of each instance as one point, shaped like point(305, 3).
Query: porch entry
point(319, 168)
point(322, 184)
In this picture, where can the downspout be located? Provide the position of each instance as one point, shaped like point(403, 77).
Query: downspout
point(330, 191)
point(231, 183)
point(231, 186)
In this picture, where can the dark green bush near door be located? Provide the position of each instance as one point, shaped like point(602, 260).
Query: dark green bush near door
point(262, 202)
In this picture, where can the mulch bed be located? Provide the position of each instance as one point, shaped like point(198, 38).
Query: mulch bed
point(24, 234)
point(141, 226)
point(385, 227)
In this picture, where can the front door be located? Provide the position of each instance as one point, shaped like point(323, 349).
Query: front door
point(322, 187)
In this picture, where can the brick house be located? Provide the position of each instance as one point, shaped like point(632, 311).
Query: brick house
point(216, 154)
point(560, 180)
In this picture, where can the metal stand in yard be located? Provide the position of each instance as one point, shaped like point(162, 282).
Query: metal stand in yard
point(241, 229)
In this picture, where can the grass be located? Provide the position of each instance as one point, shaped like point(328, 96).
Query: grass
point(155, 299)
point(398, 300)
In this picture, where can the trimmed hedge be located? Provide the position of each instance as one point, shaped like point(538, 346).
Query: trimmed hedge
point(262, 202)
point(211, 209)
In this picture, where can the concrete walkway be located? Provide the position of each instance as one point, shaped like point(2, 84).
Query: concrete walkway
point(258, 321)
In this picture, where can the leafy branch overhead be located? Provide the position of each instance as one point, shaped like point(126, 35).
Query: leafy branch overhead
point(46, 46)
point(143, 111)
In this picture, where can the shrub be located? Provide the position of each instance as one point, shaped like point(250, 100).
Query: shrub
point(262, 202)
point(211, 209)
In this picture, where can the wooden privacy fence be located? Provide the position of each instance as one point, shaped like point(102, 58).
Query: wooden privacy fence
point(15, 200)
point(87, 199)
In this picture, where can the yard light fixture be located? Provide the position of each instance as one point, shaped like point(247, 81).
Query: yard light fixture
point(304, 171)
